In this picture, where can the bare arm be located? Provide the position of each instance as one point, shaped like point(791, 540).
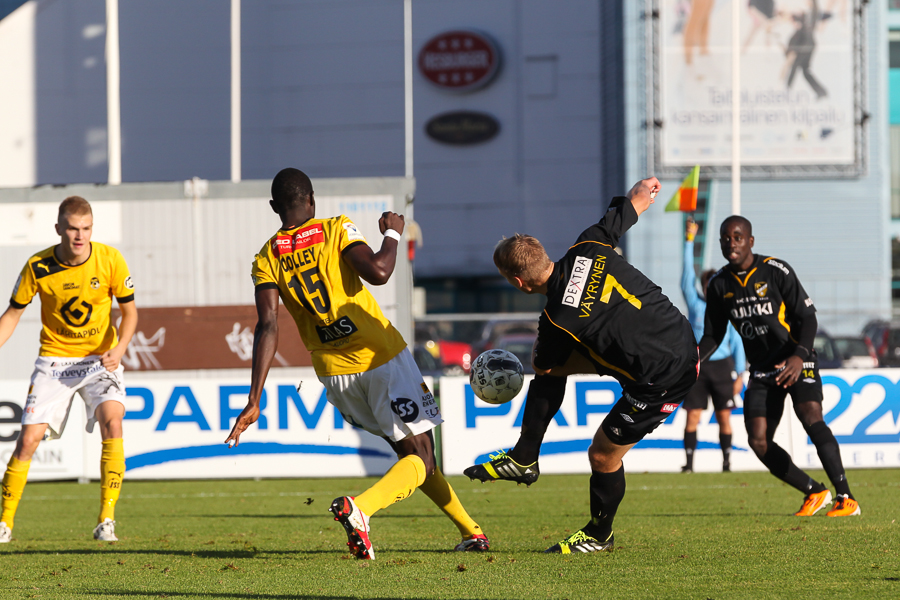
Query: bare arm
point(376, 267)
point(265, 343)
point(112, 357)
point(8, 321)
point(643, 193)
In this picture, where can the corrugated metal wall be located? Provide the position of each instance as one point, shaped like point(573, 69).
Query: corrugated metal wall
point(159, 230)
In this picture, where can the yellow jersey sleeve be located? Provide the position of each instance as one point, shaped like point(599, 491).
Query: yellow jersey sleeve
point(339, 320)
point(261, 270)
point(25, 288)
point(121, 283)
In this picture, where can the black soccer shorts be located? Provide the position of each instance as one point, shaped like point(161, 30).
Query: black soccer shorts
point(714, 382)
point(641, 409)
point(765, 398)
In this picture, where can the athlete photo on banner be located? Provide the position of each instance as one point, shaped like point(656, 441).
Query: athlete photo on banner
point(797, 64)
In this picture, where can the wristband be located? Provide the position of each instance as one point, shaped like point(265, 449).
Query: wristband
point(392, 233)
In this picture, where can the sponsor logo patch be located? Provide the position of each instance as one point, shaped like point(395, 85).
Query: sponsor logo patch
point(575, 287)
point(353, 233)
point(281, 245)
point(341, 328)
point(406, 409)
point(308, 236)
point(626, 417)
point(129, 283)
point(778, 265)
point(668, 407)
point(635, 403)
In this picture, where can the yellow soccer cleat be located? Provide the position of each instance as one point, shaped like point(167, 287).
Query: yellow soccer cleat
point(844, 506)
point(813, 503)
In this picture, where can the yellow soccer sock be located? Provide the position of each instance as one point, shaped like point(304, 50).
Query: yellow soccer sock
point(13, 485)
point(112, 469)
point(398, 483)
point(441, 493)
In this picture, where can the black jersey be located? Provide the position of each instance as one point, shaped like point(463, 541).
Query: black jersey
point(607, 310)
point(765, 304)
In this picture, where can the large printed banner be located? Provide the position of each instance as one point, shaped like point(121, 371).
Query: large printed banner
point(862, 408)
point(175, 428)
point(59, 459)
point(798, 82)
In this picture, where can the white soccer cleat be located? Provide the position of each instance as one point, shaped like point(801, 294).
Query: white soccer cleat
point(106, 531)
point(5, 533)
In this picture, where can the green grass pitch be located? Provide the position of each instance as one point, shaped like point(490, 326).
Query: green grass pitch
point(704, 536)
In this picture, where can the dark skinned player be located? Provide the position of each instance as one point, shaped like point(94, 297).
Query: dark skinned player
point(765, 302)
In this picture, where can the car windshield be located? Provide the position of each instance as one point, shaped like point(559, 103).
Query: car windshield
point(852, 347)
point(824, 348)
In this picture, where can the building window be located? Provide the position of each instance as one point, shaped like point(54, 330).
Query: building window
point(894, 101)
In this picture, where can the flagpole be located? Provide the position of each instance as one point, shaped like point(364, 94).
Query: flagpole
point(735, 108)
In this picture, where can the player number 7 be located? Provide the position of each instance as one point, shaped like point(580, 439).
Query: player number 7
point(611, 284)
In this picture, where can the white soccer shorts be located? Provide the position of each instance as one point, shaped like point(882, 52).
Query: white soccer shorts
point(391, 401)
point(54, 383)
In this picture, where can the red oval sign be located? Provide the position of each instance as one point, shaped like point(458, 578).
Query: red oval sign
point(459, 60)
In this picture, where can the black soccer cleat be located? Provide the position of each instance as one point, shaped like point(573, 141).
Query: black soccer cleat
point(501, 466)
point(581, 542)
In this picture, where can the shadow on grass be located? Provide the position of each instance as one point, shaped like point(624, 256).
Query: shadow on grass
point(218, 554)
point(224, 554)
point(322, 515)
point(170, 594)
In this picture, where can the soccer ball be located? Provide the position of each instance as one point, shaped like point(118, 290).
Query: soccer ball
point(496, 376)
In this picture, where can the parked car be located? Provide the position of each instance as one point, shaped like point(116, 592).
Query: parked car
point(519, 344)
point(826, 349)
point(856, 352)
point(455, 358)
point(496, 328)
point(885, 339)
point(428, 364)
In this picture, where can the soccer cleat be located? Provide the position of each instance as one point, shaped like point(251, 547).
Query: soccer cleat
point(476, 543)
point(106, 531)
point(813, 503)
point(581, 542)
point(356, 524)
point(726, 467)
point(501, 466)
point(687, 469)
point(5, 533)
point(844, 506)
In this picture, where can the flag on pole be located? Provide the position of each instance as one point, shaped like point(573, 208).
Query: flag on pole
point(685, 197)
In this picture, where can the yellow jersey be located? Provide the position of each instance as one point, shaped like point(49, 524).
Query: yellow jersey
point(75, 301)
point(339, 321)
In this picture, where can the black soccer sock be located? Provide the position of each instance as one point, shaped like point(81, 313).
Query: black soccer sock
point(545, 396)
point(725, 443)
point(781, 466)
point(607, 491)
point(830, 455)
point(690, 445)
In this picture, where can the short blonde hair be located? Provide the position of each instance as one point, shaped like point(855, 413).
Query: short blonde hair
point(75, 206)
point(522, 256)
